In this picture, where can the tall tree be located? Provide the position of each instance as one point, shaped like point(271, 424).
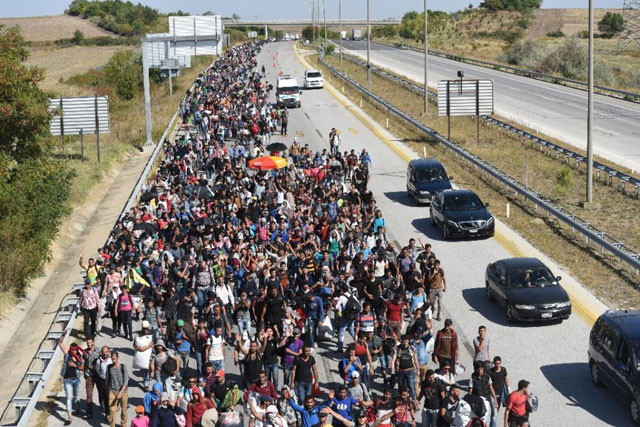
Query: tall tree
point(24, 107)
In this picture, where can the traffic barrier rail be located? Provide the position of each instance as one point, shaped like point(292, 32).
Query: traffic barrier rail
point(592, 234)
point(544, 145)
point(44, 361)
point(576, 84)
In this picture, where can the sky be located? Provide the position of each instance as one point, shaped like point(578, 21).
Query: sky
point(282, 9)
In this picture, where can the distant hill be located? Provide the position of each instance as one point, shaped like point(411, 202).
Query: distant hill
point(569, 21)
point(50, 28)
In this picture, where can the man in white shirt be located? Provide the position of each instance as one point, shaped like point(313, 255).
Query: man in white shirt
point(214, 351)
point(143, 345)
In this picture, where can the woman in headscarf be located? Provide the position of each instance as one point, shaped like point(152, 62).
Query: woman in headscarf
point(152, 400)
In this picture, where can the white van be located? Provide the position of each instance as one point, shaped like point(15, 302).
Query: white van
point(313, 79)
point(288, 92)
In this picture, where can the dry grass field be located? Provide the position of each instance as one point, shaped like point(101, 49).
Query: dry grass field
point(50, 28)
point(64, 63)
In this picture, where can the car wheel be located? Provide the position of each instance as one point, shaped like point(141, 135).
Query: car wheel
point(510, 317)
point(445, 232)
point(595, 374)
point(635, 412)
point(489, 295)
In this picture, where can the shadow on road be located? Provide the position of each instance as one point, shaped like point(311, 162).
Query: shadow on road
point(423, 225)
point(401, 197)
point(572, 380)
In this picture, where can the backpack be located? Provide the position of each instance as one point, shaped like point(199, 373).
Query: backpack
point(477, 405)
point(231, 398)
point(169, 366)
point(352, 307)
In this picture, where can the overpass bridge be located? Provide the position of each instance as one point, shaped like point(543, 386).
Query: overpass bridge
point(303, 22)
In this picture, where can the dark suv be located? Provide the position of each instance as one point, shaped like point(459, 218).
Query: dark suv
point(614, 356)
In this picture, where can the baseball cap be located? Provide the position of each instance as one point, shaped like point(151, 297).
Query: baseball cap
point(146, 324)
point(180, 322)
point(220, 373)
point(355, 374)
point(139, 409)
point(87, 281)
point(271, 409)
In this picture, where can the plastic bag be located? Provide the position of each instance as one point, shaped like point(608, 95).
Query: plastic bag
point(325, 330)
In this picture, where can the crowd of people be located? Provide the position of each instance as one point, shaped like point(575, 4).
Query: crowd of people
point(273, 269)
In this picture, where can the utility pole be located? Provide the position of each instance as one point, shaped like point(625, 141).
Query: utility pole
point(313, 22)
point(324, 16)
point(426, 54)
point(340, 20)
point(368, 49)
point(590, 110)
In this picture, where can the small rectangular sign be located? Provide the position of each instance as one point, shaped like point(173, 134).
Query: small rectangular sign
point(465, 97)
point(74, 114)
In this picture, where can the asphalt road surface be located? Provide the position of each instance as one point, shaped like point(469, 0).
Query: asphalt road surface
point(552, 357)
point(554, 110)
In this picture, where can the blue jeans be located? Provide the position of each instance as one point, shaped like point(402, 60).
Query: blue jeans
point(244, 325)
point(286, 370)
point(71, 392)
point(302, 390)
point(312, 326)
point(494, 413)
point(344, 324)
point(430, 417)
point(272, 373)
point(407, 379)
point(146, 377)
point(218, 365)
point(184, 363)
point(199, 358)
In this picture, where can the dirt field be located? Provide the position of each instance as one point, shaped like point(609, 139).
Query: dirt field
point(64, 63)
point(569, 21)
point(49, 28)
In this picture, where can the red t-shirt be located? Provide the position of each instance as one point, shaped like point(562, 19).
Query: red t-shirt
point(394, 311)
point(516, 403)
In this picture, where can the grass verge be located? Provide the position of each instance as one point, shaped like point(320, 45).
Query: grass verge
point(601, 272)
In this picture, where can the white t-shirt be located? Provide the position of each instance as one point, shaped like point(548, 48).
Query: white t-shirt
point(215, 349)
point(141, 358)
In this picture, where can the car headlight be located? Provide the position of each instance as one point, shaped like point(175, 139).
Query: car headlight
point(525, 307)
point(452, 223)
point(563, 304)
point(490, 221)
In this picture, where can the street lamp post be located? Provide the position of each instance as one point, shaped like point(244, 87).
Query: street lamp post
point(313, 22)
point(324, 17)
point(590, 110)
point(368, 49)
point(426, 53)
point(340, 19)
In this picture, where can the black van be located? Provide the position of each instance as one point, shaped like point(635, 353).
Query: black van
point(425, 178)
point(614, 356)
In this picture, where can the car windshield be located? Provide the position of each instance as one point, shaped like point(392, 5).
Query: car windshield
point(531, 278)
point(314, 75)
point(462, 202)
point(430, 175)
point(288, 90)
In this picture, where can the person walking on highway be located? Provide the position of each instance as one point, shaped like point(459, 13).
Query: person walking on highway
point(481, 348)
point(334, 141)
point(405, 363)
point(303, 373)
point(71, 372)
point(437, 286)
point(284, 122)
point(89, 300)
point(143, 345)
point(501, 383)
point(481, 385)
point(446, 346)
point(517, 405)
point(124, 308)
point(117, 381)
point(91, 355)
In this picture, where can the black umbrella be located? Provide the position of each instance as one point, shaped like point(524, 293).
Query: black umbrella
point(203, 221)
point(149, 195)
point(202, 192)
point(276, 146)
point(144, 226)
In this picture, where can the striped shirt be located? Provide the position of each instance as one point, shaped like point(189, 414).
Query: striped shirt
point(367, 321)
point(89, 298)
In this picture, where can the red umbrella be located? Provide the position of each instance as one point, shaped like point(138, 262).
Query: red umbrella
point(267, 163)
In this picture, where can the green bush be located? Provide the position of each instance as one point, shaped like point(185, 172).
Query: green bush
point(556, 34)
point(117, 16)
point(611, 24)
point(329, 49)
point(78, 38)
point(511, 5)
point(569, 59)
point(524, 53)
point(564, 180)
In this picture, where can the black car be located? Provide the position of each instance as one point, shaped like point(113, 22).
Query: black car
point(461, 213)
point(527, 289)
point(425, 179)
point(614, 356)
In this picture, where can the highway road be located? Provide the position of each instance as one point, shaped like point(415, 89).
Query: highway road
point(552, 357)
point(551, 109)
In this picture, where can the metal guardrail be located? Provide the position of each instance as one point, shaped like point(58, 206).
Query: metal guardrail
point(43, 363)
point(604, 90)
point(544, 145)
point(592, 234)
